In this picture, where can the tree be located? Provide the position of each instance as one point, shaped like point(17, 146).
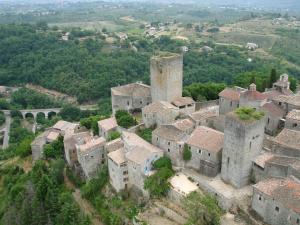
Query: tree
point(273, 77)
point(202, 209)
point(293, 83)
point(124, 119)
point(54, 149)
point(114, 135)
point(70, 113)
point(187, 154)
point(146, 134)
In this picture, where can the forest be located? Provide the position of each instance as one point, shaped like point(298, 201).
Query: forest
point(36, 54)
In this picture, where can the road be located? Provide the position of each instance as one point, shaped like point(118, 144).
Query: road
point(6, 130)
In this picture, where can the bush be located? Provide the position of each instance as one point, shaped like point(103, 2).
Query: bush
point(146, 134)
point(246, 113)
point(70, 113)
point(124, 119)
point(2, 119)
point(114, 135)
point(54, 149)
point(187, 154)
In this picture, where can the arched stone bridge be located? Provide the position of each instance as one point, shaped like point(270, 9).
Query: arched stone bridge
point(35, 112)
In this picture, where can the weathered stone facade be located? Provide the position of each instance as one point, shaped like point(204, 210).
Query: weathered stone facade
point(242, 144)
point(159, 113)
point(229, 99)
point(130, 97)
point(292, 121)
point(206, 147)
point(276, 201)
point(166, 71)
point(91, 156)
point(186, 105)
point(274, 117)
point(107, 126)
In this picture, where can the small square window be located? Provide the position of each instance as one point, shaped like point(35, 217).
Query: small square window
point(169, 143)
point(199, 151)
point(168, 150)
point(209, 154)
point(259, 198)
point(277, 209)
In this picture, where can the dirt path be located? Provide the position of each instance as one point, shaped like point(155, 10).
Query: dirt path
point(84, 205)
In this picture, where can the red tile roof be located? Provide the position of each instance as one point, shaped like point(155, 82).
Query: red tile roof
point(273, 109)
point(231, 94)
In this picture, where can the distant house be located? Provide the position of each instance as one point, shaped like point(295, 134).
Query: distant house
point(186, 105)
point(274, 115)
point(251, 46)
point(158, 113)
point(276, 201)
point(91, 156)
point(130, 97)
point(107, 126)
point(206, 147)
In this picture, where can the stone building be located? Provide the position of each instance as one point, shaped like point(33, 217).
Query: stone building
point(288, 102)
point(186, 105)
point(37, 146)
point(185, 125)
point(281, 87)
point(242, 144)
point(70, 142)
point(63, 127)
point(206, 147)
point(130, 97)
point(166, 70)
point(140, 163)
point(107, 126)
point(118, 169)
point(229, 99)
point(91, 156)
point(158, 113)
point(287, 143)
point(114, 145)
point(201, 117)
point(171, 139)
point(276, 201)
point(252, 98)
point(292, 120)
point(274, 117)
point(269, 165)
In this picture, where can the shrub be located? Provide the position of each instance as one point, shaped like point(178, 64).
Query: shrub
point(146, 134)
point(124, 119)
point(114, 135)
point(187, 154)
point(246, 113)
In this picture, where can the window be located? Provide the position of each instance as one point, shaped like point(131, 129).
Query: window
point(209, 154)
point(250, 144)
point(168, 150)
point(277, 209)
point(295, 125)
point(102, 155)
point(127, 102)
point(280, 103)
point(268, 120)
point(125, 179)
point(103, 161)
point(125, 172)
point(228, 160)
point(179, 146)
point(157, 139)
point(298, 221)
point(199, 151)
point(230, 103)
point(259, 198)
point(141, 102)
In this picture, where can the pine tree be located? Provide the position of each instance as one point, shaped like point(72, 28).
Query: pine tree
point(273, 77)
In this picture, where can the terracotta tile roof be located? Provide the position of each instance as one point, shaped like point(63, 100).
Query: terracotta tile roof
point(95, 142)
point(289, 138)
point(272, 94)
point(281, 98)
point(133, 140)
point(207, 139)
point(294, 100)
point(262, 159)
point(158, 106)
point(294, 114)
point(139, 155)
point(118, 156)
point(231, 94)
point(184, 124)
point(205, 113)
point(64, 125)
point(182, 101)
point(253, 95)
point(52, 136)
point(285, 191)
point(108, 124)
point(132, 90)
point(273, 109)
point(169, 132)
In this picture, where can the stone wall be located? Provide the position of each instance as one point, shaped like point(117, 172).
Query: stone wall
point(227, 105)
point(206, 104)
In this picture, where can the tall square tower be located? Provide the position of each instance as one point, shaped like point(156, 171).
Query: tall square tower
point(166, 71)
point(243, 140)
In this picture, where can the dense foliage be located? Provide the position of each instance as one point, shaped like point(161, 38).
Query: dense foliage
point(158, 184)
point(55, 149)
point(114, 135)
point(36, 54)
point(38, 197)
point(146, 134)
point(2, 119)
point(186, 154)
point(125, 119)
point(202, 209)
point(204, 91)
point(246, 113)
point(28, 99)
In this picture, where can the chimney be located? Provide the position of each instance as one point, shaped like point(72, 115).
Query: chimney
point(252, 87)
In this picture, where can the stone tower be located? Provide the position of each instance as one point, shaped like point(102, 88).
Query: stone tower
point(166, 71)
point(243, 141)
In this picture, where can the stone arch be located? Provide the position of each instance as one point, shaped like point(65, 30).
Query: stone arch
point(51, 114)
point(29, 115)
